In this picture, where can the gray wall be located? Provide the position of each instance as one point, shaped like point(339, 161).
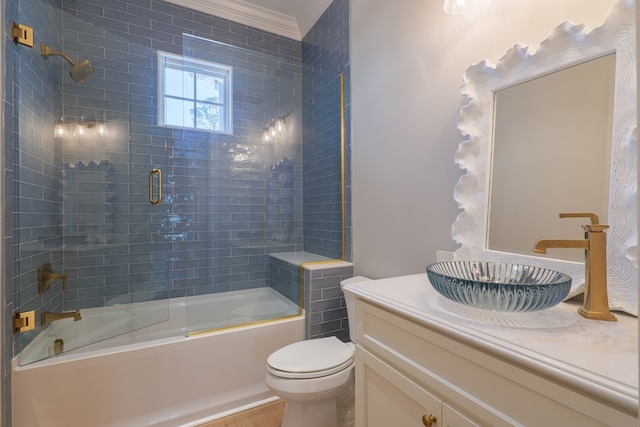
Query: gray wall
point(406, 65)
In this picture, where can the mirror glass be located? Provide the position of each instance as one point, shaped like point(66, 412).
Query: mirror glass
point(551, 146)
point(565, 140)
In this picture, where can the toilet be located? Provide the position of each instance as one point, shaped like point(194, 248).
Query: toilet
point(316, 378)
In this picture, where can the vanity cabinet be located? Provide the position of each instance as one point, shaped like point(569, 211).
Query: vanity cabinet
point(392, 399)
point(409, 367)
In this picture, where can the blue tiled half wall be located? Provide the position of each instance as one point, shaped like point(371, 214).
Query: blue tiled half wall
point(326, 309)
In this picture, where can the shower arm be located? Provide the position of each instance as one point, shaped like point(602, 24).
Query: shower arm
point(46, 52)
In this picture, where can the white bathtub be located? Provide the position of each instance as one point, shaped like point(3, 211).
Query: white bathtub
point(156, 376)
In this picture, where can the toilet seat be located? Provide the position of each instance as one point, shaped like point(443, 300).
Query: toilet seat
point(310, 375)
point(311, 359)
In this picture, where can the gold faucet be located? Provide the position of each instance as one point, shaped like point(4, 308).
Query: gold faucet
point(596, 302)
point(48, 317)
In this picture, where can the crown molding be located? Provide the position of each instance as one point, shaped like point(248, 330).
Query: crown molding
point(310, 13)
point(249, 14)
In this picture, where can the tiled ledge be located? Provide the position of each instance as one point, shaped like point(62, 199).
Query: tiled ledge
point(326, 312)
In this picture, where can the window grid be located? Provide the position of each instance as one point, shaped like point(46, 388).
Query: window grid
point(205, 113)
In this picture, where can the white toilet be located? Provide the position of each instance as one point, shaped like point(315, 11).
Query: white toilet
point(316, 378)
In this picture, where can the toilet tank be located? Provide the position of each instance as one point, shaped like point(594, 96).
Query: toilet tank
point(350, 302)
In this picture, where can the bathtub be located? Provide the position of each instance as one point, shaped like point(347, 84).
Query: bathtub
point(156, 376)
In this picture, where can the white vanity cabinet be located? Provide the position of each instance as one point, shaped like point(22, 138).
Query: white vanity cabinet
point(392, 399)
point(412, 363)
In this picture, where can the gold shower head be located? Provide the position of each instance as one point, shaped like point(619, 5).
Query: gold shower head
point(79, 71)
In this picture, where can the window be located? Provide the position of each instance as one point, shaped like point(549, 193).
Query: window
point(194, 94)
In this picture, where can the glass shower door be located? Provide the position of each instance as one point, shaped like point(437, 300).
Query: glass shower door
point(90, 253)
point(240, 155)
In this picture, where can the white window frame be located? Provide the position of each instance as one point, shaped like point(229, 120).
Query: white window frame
point(184, 63)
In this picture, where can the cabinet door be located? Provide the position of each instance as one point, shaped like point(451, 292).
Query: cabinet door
point(385, 398)
point(453, 418)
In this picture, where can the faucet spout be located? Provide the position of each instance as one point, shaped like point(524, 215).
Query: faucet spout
point(542, 245)
point(596, 302)
point(48, 317)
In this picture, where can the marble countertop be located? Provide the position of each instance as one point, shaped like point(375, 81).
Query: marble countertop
point(598, 357)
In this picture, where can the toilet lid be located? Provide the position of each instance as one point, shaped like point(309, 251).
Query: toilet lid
point(314, 355)
point(311, 375)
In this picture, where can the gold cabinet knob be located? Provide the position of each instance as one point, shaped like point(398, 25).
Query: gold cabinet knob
point(429, 420)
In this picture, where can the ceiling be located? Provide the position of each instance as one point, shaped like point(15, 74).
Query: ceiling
point(288, 18)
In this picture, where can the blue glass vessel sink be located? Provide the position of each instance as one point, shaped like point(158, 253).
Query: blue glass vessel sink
point(499, 286)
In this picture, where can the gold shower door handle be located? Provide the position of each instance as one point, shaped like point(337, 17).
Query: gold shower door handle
point(155, 200)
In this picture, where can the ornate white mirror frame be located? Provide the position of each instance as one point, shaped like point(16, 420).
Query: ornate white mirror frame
point(569, 44)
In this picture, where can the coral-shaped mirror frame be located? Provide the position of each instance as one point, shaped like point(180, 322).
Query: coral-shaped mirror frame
point(569, 44)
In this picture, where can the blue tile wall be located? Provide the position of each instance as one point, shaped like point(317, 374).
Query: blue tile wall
point(33, 198)
point(8, 285)
point(38, 179)
point(229, 200)
point(284, 277)
point(325, 55)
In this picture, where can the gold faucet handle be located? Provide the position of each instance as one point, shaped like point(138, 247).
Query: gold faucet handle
point(61, 276)
point(46, 276)
point(595, 227)
point(592, 217)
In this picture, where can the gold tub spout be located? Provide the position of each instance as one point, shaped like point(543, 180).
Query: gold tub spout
point(596, 301)
point(48, 317)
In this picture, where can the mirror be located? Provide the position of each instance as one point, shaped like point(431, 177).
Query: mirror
point(478, 191)
point(551, 145)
